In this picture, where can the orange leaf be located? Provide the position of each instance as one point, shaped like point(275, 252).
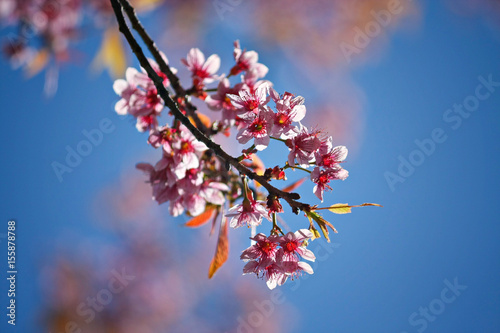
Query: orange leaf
point(214, 221)
point(38, 62)
point(221, 252)
point(293, 186)
point(201, 219)
point(205, 120)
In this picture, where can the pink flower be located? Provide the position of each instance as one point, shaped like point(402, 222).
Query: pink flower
point(295, 268)
point(291, 244)
point(194, 204)
point(275, 264)
point(323, 177)
point(274, 205)
point(158, 178)
point(185, 150)
point(220, 100)
point(145, 123)
point(201, 70)
point(287, 98)
point(303, 146)
point(156, 68)
point(191, 182)
point(289, 109)
point(56, 24)
point(139, 98)
point(258, 127)
point(247, 60)
point(212, 192)
point(271, 271)
point(141, 78)
point(247, 102)
point(328, 156)
point(162, 136)
point(264, 249)
point(250, 81)
point(250, 212)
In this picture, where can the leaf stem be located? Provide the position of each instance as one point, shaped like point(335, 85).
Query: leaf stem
point(288, 166)
point(276, 229)
point(278, 139)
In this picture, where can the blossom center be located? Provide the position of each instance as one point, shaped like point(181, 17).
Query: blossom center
point(186, 147)
point(258, 126)
point(202, 74)
point(291, 246)
point(147, 120)
point(152, 97)
point(323, 178)
point(327, 161)
point(282, 119)
point(252, 105)
point(267, 247)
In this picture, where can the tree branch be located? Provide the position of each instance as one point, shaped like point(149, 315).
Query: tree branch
point(164, 67)
point(290, 198)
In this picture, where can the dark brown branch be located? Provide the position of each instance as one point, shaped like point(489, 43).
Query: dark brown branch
point(290, 198)
point(164, 67)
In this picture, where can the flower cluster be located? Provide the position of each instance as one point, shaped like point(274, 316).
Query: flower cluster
point(328, 159)
point(193, 179)
point(139, 96)
point(54, 21)
point(178, 176)
point(276, 258)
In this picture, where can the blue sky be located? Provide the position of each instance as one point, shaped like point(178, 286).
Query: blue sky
point(439, 225)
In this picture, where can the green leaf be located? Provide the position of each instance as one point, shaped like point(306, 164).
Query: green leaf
point(345, 208)
point(322, 223)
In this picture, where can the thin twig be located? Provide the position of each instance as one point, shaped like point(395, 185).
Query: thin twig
point(164, 67)
point(290, 198)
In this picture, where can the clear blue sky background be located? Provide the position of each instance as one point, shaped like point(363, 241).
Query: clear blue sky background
point(441, 223)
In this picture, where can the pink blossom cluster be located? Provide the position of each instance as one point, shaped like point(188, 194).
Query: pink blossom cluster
point(328, 159)
point(178, 176)
point(139, 96)
point(53, 22)
point(276, 258)
point(192, 179)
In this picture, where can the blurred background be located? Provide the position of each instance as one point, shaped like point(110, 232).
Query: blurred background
point(412, 88)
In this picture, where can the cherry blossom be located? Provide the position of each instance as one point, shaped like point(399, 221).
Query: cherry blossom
point(322, 177)
point(202, 71)
point(185, 150)
point(295, 268)
point(139, 98)
point(289, 109)
point(194, 180)
point(247, 102)
point(213, 192)
point(328, 156)
point(220, 100)
point(257, 126)
point(291, 243)
point(303, 147)
point(264, 249)
point(250, 81)
point(275, 258)
point(247, 60)
point(250, 212)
